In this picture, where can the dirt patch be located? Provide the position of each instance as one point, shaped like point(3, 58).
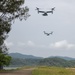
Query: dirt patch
point(19, 72)
point(70, 68)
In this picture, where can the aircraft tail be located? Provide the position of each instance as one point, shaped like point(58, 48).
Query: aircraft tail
point(53, 9)
point(38, 11)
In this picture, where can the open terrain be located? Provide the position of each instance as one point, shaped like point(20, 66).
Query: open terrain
point(18, 72)
point(53, 71)
point(44, 70)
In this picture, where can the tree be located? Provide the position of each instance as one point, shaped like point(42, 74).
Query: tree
point(9, 11)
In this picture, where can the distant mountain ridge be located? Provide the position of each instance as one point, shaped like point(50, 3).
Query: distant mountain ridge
point(23, 56)
point(30, 60)
point(63, 57)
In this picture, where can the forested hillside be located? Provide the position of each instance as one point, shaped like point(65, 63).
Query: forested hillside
point(39, 61)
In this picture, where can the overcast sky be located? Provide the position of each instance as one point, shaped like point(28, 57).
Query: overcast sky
point(27, 37)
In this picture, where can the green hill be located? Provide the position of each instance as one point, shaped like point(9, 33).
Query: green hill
point(56, 61)
point(23, 56)
point(29, 60)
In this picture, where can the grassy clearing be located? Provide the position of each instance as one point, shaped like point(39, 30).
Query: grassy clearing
point(4, 71)
point(53, 71)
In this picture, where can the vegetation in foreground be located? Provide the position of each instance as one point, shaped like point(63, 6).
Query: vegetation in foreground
point(10, 10)
point(53, 71)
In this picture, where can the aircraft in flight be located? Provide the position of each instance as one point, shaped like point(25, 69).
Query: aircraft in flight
point(45, 13)
point(48, 33)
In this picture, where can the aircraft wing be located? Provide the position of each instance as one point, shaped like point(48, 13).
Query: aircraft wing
point(51, 33)
point(41, 11)
point(45, 32)
point(49, 12)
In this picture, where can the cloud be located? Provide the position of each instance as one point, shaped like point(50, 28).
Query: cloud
point(9, 44)
point(26, 44)
point(62, 45)
point(30, 43)
point(21, 44)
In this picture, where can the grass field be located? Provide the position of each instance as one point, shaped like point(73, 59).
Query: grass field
point(53, 71)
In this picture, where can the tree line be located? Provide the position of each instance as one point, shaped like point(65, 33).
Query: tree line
point(9, 11)
point(54, 61)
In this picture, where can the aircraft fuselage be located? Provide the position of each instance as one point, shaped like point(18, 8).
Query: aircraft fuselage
point(45, 14)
